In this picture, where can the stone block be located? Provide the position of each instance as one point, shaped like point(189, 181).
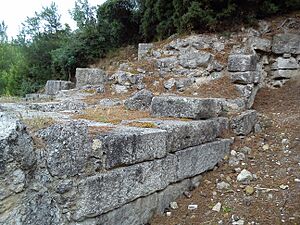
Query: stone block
point(137, 212)
point(130, 145)
point(195, 160)
point(261, 44)
point(170, 194)
point(67, 148)
point(90, 76)
point(144, 49)
point(242, 63)
point(107, 191)
point(186, 107)
point(285, 63)
point(286, 43)
point(141, 100)
point(244, 123)
point(16, 146)
point(248, 77)
point(54, 86)
point(192, 59)
point(185, 134)
point(285, 74)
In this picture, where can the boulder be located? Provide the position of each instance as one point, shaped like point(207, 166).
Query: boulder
point(90, 76)
point(169, 83)
point(186, 107)
point(66, 105)
point(54, 86)
point(106, 102)
point(286, 43)
point(242, 63)
point(120, 88)
point(244, 123)
point(183, 83)
point(141, 100)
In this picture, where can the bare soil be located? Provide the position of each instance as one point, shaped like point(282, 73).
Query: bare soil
point(271, 203)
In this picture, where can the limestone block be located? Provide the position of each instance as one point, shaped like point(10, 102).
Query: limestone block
point(286, 43)
point(129, 145)
point(104, 192)
point(141, 100)
point(195, 160)
point(192, 59)
point(242, 63)
point(285, 63)
point(286, 74)
point(261, 44)
point(89, 76)
point(67, 148)
point(248, 77)
point(186, 107)
point(244, 123)
point(144, 49)
point(185, 134)
point(54, 86)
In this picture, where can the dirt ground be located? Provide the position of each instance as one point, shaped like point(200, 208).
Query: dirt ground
point(274, 158)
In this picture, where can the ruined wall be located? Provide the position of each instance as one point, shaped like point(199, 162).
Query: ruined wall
point(73, 173)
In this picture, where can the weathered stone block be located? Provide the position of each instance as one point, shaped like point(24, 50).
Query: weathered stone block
point(129, 145)
point(195, 160)
point(144, 49)
point(192, 59)
point(261, 44)
point(104, 192)
point(137, 212)
point(171, 193)
point(89, 76)
point(54, 86)
point(285, 63)
point(185, 134)
point(244, 123)
point(248, 77)
point(16, 145)
point(242, 63)
point(286, 74)
point(286, 43)
point(140, 100)
point(67, 148)
point(186, 107)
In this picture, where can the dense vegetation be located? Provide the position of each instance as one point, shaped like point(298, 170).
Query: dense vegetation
point(45, 49)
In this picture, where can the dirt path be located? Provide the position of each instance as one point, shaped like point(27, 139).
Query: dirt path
point(274, 159)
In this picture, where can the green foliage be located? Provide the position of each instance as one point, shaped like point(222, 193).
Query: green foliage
point(44, 49)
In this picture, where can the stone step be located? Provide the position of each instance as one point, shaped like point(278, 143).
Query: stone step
point(185, 134)
point(186, 107)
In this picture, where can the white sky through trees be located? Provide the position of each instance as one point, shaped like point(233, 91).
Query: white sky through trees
point(14, 12)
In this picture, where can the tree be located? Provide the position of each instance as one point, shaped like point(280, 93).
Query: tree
point(3, 32)
point(83, 14)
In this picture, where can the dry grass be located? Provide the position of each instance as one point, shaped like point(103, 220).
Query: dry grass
point(142, 124)
point(113, 115)
point(94, 130)
point(38, 123)
point(219, 88)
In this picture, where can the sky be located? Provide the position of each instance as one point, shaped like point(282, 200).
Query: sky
point(14, 12)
